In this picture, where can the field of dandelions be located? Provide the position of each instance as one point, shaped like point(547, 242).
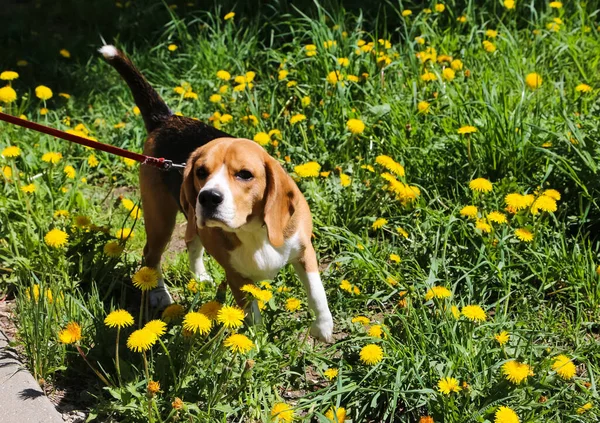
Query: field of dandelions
point(449, 153)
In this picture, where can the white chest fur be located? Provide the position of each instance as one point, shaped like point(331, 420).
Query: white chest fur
point(256, 259)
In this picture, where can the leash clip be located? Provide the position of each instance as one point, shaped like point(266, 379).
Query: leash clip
point(163, 164)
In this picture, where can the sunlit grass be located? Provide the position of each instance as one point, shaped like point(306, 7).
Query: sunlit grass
point(436, 279)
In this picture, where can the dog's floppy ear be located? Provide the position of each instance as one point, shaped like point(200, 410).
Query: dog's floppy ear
point(279, 201)
point(187, 198)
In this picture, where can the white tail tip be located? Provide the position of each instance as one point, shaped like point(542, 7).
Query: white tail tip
point(108, 51)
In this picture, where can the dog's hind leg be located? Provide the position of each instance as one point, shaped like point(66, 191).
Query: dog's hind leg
point(160, 210)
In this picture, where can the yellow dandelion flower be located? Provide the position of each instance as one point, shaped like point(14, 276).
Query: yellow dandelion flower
point(282, 412)
point(172, 47)
point(172, 313)
point(483, 226)
point(297, 118)
point(428, 76)
point(455, 312)
point(423, 107)
point(474, 313)
point(390, 164)
point(497, 217)
point(331, 373)
point(65, 53)
point(468, 129)
point(146, 278)
point(70, 334)
point(447, 385)
point(469, 211)
point(56, 238)
point(506, 415)
point(262, 138)
point(406, 13)
point(533, 80)
point(437, 292)
point(124, 233)
point(52, 157)
point(308, 170)
point(153, 387)
point(9, 75)
point(141, 340)
point(61, 213)
point(118, 319)
point(544, 203)
point(238, 343)
point(229, 16)
point(379, 223)
point(491, 33)
point(28, 189)
point(231, 317)
point(552, 193)
point(292, 304)
point(480, 185)
point(456, 65)
point(69, 171)
point(197, 323)
point(556, 4)
point(488, 46)
point(334, 77)
point(395, 258)
point(564, 367)
point(336, 414)
point(361, 319)
point(376, 331)
point(440, 7)
point(524, 235)
point(158, 327)
point(356, 126)
point(509, 4)
point(11, 151)
point(448, 74)
point(583, 88)
point(516, 372)
point(82, 221)
point(215, 98)
point(7, 172)
point(43, 93)
point(585, 408)
point(371, 354)
point(113, 249)
point(402, 232)
point(502, 337)
point(92, 161)
point(224, 75)
point(7, 94)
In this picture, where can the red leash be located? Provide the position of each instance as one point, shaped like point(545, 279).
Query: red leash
point(160, 163)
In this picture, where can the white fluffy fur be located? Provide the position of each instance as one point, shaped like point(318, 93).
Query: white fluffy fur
point(108, 51)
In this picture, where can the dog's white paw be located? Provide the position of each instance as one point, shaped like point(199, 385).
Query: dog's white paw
point(160, 297)
point(205, 277)
point(322, 329)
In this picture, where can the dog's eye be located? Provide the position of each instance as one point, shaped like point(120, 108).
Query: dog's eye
point(201, 172)
point(244, 175)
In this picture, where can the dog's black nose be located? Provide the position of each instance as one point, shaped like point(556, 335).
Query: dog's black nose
point(210, 198)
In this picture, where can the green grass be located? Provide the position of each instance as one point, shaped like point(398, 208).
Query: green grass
point(544, 293)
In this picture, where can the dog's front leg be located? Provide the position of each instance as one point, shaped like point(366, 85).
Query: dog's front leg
point(308, 271)
point(196, 254)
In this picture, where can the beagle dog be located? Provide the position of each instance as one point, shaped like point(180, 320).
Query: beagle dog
point(240, 204)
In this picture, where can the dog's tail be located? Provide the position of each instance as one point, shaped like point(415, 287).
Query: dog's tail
point(152, 107)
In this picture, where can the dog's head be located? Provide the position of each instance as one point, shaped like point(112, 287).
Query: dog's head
point(230, 183)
